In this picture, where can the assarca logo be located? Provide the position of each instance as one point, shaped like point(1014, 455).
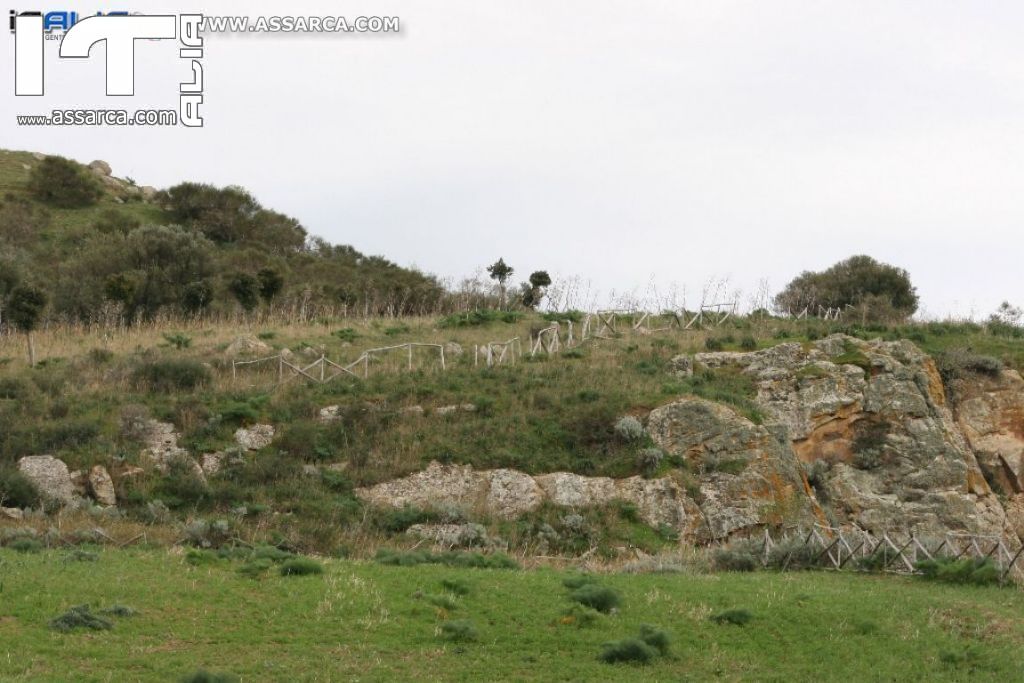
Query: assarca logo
point(119, 31)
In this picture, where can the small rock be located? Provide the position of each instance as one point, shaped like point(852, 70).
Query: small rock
point(50, 476)
point(254, 438)
point(102, 486)
point(148, 192)
point(80, 482)
point(329, 413)
point(448, 410)
point(246, 344)
point(101, 167)
point(11, 513)
point(412, 410)
point(452, 350)
point(682, 366)
point(450, 535)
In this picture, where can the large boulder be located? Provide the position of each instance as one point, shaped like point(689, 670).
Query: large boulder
point(50, 477)
point(162, 451)
point(871, 420)
point(101, 167)
point(247, 344)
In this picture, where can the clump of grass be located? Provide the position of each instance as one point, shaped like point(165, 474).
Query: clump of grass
point(971, 570)
point(255, 569)
point(852, 355)
point(204, 676)
point(456, 586)
point(735, 617)
point(655, 637)
point(301, 566)
point(25, 545)
point(459, 630)
point(580, 616)
point(119, 611)
point(413, 558)
point(79, 555)
point(80, 617)
point(628, 650)
point(445, 602)
point(598, 597)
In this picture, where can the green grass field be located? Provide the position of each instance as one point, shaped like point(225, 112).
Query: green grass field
point(365, 621)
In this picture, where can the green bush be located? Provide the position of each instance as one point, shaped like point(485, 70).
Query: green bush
point(478, 317)
point(978, 571)
point(456, 586)
point(59, 182)
point(580, 616)
point(301, 566)
point(16, 490)
point(957, 363)
point(459, 630)
point(741, 556)
point(601, 598)
point(655, 637)
point(748, 343)
point(173, 374)
point(736, 617)
point(25, 545)
point(346, 334)
point(629, 650)
point(80, 617)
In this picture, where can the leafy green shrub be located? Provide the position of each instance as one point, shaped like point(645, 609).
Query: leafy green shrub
point(177, 374)
point(396, 330)
point(459, 630)
point(78, 617)
point(580, 616)
point(655, 637)
point(57, 181)
point(736, 617)
point(25, 545)
point(970, 570)
point(16, 490)
point(301, 566)
point(748, 343)
point(178, 340)
point(255, 568)
point(346, 334)
point(571, 315)
point(398, 520)
point(478, 317)
point(628, 650)
point(578, 581)
point(601, 598)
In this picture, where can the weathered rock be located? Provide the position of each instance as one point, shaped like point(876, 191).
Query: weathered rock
point(438, 486)
point(329, 413)
point(101, 167)
point(162, 450)
point(511, 493)
point(102, 486)
point(452, 350)
point(451, 535)
point(11, 513)
point(50, 477)
point(255, 437)
point(80, 483)
point(682, 366)
point(247, 344)
point(576, 491)
point(448, 410)
point(893, 457)
point(148, 192)
point(747, 477)
point(213, 462)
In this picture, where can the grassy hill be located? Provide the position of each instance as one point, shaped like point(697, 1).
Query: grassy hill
point(365, 621)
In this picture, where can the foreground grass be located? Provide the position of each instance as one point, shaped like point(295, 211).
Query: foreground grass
point(364, 621)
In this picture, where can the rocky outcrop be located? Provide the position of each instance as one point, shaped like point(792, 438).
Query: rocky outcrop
point(162, 451)
point(747, 476)
point(450, 535)
point(872, 422)
point(255, 437)
point(50, 477)
point(990, 411)
point(247, 344)
point(509, 494)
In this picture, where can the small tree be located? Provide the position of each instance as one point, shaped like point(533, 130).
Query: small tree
point(500, 272)
point(25, 309)
point(63, 183)
point(271, 284)
point(533, 291)
point(245, 288)
point(196, 296)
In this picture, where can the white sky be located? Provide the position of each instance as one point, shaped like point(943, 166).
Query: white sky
point(626, 143)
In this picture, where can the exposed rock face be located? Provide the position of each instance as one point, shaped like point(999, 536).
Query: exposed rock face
point(50, 476)
point(893, 457)
point(255, 437)
point(102, 486)
point(101, 167)
point(510, 494)
point(990, 411)
point(747, 477)
point(162, 450)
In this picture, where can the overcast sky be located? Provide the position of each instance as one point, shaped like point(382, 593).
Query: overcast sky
point(635, 145)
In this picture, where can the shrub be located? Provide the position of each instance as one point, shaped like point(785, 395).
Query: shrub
point(301, 566)
point(971, 570)
point(59, 182)
point(176, 374)
point(412, 558)
point(457, 586)
point(629, 429)
point(459, 630)
point(445, 602)
point(736, 617)
point(741, 556)
point(632, 650)
point(397, 521)
point(883, 290)
point(580, 616)
point(713, 344)
point(748, 343)
point(655, 637)
point(25, 545)
point(957, 363)
point(78, 617)
point(16, 490)
point(178, 340)
point(601, 598)
point(347, 334)
point(119, 611)
point(255, 569)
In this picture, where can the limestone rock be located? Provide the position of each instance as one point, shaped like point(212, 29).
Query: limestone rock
point(450, 535)
point(162, 450)
point(102, 486)
point(255, 437)
point(448, 410)
point(101, 167)
point(329, 413)
point(452, 351)
point(148, 192)
point(573, 490)
point(511, 493)
point(50, 476)
point(682, 365)
point(247, 344)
